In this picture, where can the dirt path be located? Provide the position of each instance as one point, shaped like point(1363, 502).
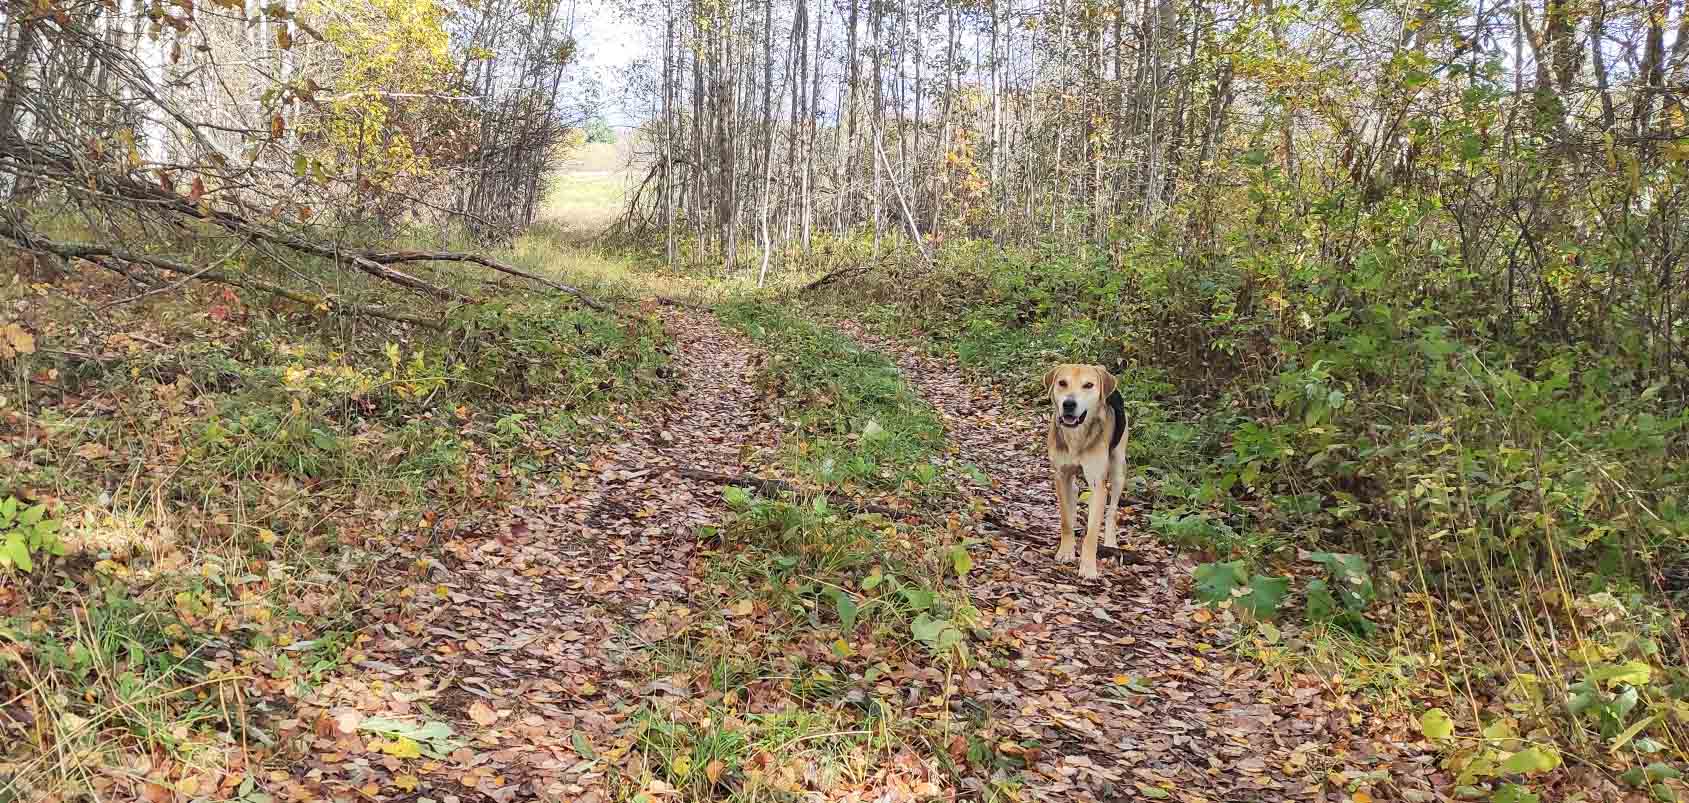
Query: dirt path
point(1128, 695)
point(523, 638)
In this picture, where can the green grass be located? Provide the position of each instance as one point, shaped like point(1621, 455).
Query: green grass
point(586, 203)
point(862, 427)
point(804, 614)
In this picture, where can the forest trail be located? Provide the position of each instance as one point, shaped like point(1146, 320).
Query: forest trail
point(525, 636)
point(1129, 690)
point(528, 637)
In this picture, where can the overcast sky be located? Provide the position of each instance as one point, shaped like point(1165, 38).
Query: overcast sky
point(609, 43)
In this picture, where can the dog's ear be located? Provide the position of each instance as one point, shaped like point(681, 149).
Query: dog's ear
point(1109, 382)
point(1050, 377)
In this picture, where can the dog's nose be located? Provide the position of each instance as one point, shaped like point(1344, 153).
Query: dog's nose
point(1067, 405)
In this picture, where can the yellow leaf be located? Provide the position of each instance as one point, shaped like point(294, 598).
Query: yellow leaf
point(405, 782)
point(1361, 797)
point(402, 747)
point(713, 770)
point(681, 767)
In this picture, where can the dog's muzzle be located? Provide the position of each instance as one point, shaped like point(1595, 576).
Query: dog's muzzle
point(1070, 419)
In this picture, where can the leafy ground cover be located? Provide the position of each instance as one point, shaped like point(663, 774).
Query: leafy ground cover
point(203, 492)
point(1459, 525)
point(528, 549)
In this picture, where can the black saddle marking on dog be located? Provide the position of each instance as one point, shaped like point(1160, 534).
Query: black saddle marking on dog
point(1117, 403)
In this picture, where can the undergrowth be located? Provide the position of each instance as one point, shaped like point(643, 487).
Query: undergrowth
point(208, 483)
point(1491, 517)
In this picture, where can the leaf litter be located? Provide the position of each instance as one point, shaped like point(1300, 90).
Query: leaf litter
point(1123, 688)
point(509, 667)
point(504, 667)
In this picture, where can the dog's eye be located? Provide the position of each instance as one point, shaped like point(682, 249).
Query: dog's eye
point(1062, 383)
point(1089, 385)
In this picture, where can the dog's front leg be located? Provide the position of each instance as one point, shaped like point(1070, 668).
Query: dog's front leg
point(1098, 480)
point(1116, 481)
point(1066, 501)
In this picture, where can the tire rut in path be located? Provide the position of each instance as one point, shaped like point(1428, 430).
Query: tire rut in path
point(1117, 680)
point(523, 634)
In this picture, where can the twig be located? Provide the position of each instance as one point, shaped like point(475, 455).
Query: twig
point(393, 257)
point(169, 288)
point(92, 252)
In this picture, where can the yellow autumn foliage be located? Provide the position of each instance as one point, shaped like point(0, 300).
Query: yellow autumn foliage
point(393, 53)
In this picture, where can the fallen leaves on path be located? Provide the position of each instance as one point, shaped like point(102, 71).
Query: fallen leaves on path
point(505, 665)
point(511, 661)
point(1122, 688)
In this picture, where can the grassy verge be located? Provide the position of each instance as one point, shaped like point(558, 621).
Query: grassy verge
point(205, 485)
point(1486, 532)
point(861, 427)
point(822, 652)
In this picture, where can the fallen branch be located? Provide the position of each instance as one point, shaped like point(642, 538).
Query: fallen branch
point(833, 276)
point(675, 302)
point(1003, 526)
point(897, 189)
point(154, 197)
point(97, 254)
point(393, 257)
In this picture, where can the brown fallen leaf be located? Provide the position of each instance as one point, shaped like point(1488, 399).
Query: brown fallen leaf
point(483, 714)
point(347, 720)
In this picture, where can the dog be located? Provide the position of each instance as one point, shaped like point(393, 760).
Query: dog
point(1088, 433)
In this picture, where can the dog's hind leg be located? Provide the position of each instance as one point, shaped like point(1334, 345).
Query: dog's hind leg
point(1066, 500)
point(1116, 481)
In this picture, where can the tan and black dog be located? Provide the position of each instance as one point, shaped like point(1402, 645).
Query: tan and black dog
point(1087, 436)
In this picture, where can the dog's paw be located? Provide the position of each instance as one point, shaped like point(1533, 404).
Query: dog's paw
point(1089, 571)
point(1065, 555)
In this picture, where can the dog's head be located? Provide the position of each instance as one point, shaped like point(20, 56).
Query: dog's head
point(1077, 391)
